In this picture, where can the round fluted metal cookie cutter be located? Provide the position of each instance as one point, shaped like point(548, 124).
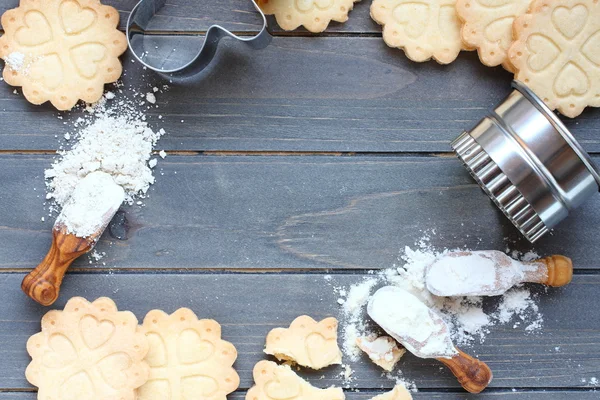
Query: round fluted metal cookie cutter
point(528, 163)
point(139, 38)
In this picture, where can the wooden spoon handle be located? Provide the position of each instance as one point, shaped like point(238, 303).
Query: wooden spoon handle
point(560, 270)
point(43, 283)
point(473, 375)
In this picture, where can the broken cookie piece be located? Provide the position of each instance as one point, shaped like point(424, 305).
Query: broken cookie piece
point(280, 382)
point(399, 393)
point(306, 342)
point(382, 350)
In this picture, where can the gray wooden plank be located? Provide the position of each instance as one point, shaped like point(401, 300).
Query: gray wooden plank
point(249, 305)
point(303, 94)
point(519, 395)
point(288, 212)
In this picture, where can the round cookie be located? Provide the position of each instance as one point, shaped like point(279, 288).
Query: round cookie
point(88, 351)
point(314, 15)
point(61, 50)
point(488, 27)
point(424, 30)
point(557, 53)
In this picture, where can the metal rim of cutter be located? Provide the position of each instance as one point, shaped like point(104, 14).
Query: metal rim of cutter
point(145, 10)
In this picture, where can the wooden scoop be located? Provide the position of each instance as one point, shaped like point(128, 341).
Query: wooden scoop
point(90, 208)
point(425, 334)
point(491, 273)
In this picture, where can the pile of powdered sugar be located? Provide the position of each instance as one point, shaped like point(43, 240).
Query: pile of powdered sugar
point(465, 316)
point(115, 139)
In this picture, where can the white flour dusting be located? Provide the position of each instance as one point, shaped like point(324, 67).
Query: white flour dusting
point(116, 141)
point(465, 316)
point(15, 61)
point(91, 206)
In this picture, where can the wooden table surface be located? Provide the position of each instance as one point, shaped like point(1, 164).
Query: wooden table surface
point(322, 154)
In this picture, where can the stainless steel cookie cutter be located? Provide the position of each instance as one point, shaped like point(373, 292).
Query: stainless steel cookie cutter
point(143, 49)
point(528, 163)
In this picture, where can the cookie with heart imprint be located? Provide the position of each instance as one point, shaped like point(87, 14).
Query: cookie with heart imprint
point(399, 393)
point(88, 351)
point(557, 53)
point(187, 358)
point(382, 350)
point(424, 29)
point(61, 51)
point(488, 27)
point(306, 342)
point(279, 382)
point(314, 15)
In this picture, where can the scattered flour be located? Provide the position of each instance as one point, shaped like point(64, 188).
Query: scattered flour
point(15, 61)
point(116, 141)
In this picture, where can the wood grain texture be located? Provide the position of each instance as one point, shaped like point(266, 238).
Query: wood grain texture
point(289, 212)
point(249, 305)
point(302, 94)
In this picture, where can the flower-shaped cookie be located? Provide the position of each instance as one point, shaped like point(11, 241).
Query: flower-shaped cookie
point(66, 50)
point(399, 393)
point(557, 53)
point(423, 28)
point(306, 342)
point(382, 350)
point(187, 358)
point(314, 15)
point(487, 26)
point(88, 351)
point(278, 382)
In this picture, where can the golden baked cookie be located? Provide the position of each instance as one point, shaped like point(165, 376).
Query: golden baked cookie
point(488, 27)
point(424, 29)
point(88, 351)
point(306, 342)
point(382, 350)
point(61, 50)
point(557, 53)
point(314, 15)
point(399, 393)
point(187, 358)
point(280, 382)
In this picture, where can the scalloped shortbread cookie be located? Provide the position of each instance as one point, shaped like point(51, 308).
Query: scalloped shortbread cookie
point(382, 350)
point(187, 358)
point(487, 27)
point(306, 342)
point(66, 50)
point(399, 393)
point(314, 15)
point(423, 28)
point(280, 382)
point(557, 53)
point(88, 351)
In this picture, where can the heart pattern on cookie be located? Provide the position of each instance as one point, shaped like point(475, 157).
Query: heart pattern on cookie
point(570, 21)
point(62, 352)
point(493, 3)
point(95, 333)
point(157, 356)
point(571, 80)
point(86, 58)
point(543, 52)
point(191, 349)
point(190, 384)
point(78, 387)
point(318, 350)
point(591, 48)
point(414, 17)
point(113, 367)
point(47, 70)
point(307, 5)
point(75, 19)
point(500, 31)
point(284, 387)
point(37, 30)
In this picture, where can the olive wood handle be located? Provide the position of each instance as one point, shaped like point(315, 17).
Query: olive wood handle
point(43, 283)
point(472, 374)
point(554, 271)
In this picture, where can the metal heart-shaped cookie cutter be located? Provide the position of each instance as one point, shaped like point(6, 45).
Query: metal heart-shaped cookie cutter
point(528, 163)
point(137, 33)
